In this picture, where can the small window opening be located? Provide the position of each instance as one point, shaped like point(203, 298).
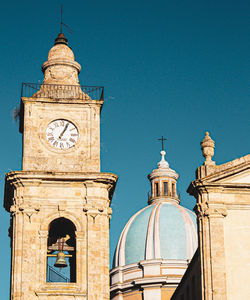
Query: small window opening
point(157, 189)
point(61, 251)
point(173, 189)
point(165, 188)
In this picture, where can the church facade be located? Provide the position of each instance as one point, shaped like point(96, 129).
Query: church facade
point(220, 267)
point(222, 195)
point(60, 210)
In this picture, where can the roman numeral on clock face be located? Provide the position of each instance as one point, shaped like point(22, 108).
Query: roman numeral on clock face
point(62, 134)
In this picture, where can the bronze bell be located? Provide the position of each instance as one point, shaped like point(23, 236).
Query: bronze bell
point(60, 260)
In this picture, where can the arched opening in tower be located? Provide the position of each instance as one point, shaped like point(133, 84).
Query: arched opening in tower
point(61, 251)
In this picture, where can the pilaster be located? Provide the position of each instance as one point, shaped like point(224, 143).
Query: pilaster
point(212, 247)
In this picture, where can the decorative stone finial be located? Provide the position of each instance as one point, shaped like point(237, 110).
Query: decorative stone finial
point(61, 39)
point(207, 147)
point(163, 163)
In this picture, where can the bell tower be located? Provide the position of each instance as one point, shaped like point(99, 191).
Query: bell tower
point(60, 201)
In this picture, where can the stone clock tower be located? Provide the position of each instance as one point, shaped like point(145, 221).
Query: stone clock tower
point(60, 201)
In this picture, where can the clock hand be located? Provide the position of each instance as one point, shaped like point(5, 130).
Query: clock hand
point(62, 133)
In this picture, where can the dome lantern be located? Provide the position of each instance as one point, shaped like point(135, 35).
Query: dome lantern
point(163, 182)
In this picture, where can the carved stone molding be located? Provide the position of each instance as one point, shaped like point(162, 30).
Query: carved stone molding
point(93, 211)
point(203, 210)
point(215, 212)
point(25, 208)
point(200, 208)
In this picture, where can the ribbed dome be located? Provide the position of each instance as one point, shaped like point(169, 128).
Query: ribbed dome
point(163, 230)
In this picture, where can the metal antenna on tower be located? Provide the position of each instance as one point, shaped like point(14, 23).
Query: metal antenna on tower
point(61, 19)
point(63, 24)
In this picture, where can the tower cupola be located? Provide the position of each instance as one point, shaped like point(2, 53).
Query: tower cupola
point(163, 182)
point(61, 67)
point(61, 73)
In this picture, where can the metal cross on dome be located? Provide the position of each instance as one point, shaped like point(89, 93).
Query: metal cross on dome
point(162, 139)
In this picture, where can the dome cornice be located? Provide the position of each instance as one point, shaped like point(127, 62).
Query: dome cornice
point(168, 173)
point(63, 62)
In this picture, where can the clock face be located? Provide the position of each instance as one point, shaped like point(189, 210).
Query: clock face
point(62, 134)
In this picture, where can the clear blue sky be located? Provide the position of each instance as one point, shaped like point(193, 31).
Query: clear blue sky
point(172, 68)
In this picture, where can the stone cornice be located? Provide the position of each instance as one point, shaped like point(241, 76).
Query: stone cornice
point(62, 101)
point(228, 169)
point(220, 173)
point(145, 282)
point(151, 281)
point(38, 178)
point(61, 61)
point(171, 263)
point(131, 277)
point(17, 179)
point(204, 186)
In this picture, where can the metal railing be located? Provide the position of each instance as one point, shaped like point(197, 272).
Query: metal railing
point(54, 276)
point(57, 91)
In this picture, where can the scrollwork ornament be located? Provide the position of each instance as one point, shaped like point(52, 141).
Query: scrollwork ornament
point(215, 212)
point(27, 209)
point(200, 209)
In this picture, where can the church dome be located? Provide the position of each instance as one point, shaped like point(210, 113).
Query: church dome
point(162, 230)
point(157, 243)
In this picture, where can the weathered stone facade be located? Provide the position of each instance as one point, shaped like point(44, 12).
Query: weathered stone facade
point(223, 213)
point(60, 183)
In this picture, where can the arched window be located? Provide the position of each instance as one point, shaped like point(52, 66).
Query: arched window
point(61, 251)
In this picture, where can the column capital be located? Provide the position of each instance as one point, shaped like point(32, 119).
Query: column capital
point(204, 210)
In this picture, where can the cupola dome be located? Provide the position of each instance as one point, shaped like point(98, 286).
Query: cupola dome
point(157, 243)
point(61, 67)
point(162, 230)
point(61, 74)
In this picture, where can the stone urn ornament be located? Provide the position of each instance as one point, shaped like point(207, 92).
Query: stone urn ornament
point(207, 147)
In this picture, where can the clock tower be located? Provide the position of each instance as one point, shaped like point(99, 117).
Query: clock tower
point(60, 201)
